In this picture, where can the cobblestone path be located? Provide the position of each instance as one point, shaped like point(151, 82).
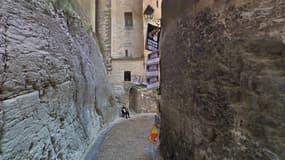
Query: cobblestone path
point(126, 140)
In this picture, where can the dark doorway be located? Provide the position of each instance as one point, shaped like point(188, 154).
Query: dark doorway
point(132, 99)
point(127, 76)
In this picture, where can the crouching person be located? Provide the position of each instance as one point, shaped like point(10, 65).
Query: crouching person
point(125, 112)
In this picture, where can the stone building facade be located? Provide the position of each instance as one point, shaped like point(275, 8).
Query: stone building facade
point(120, 26)
point(126, 40)
point(103, 29)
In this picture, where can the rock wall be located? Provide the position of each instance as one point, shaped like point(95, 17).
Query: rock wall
point(223, 79)
point(87, 9)
point(142, 100)
point(54, 95)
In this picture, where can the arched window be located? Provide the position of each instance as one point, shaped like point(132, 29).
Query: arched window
point(127, 76)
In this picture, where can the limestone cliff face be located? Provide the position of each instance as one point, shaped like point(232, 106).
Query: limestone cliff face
point(54, 94)
point(223, 80)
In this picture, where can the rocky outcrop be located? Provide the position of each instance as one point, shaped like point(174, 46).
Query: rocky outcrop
point(223, 78)
point(53, 88)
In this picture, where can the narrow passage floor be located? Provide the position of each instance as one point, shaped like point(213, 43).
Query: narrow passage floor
point(126, 140)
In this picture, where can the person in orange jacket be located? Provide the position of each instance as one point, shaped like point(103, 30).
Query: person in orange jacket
point(153, 139)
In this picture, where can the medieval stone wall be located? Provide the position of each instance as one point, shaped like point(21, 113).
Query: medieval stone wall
point(223, 79)
point(128, 38)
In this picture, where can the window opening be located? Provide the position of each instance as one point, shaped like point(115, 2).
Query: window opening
point(127, 76)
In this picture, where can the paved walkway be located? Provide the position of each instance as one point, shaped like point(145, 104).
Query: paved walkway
point(126, 140)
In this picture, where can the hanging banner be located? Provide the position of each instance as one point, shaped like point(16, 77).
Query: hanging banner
point(152, 37)
point(152, 67)
point(152, 70)
point(153, 58)
point(152, 82)
point(155, 73)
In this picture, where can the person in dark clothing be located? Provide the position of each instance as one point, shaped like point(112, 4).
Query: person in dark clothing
point(125, 112)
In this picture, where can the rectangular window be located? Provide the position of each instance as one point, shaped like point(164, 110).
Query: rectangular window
point(126, 53)
point(128, 19)
point(127, 75)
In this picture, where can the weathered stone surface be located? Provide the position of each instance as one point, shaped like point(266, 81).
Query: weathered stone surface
point(223, 78)
point(127, 140)
point(142, 100)
point(54, 95)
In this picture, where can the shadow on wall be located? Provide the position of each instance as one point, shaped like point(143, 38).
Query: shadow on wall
point(142, 100)
point(133, 99)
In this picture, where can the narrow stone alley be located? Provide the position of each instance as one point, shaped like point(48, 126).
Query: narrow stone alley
point(213, 71)
point(125, 140)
